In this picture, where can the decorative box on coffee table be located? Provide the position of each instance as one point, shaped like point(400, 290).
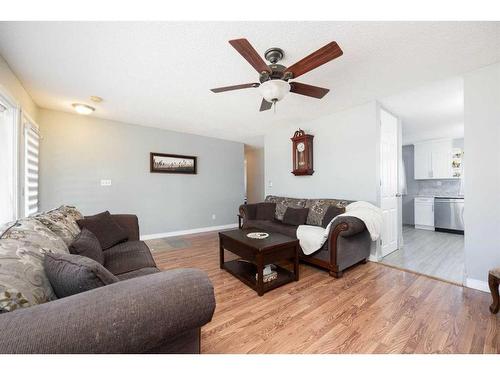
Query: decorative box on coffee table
point(255, 254)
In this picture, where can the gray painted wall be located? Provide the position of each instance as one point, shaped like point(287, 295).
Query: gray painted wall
point(411, 186)
point(78, 151)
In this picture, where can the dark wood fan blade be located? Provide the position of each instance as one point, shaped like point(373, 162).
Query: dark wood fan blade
point(323, 55)
point(246, 50)
point(265, 105)
point(235, 87)
point(308, 90)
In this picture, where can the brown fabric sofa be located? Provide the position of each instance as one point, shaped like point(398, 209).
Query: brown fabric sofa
point(149, 311)
point(348, 242)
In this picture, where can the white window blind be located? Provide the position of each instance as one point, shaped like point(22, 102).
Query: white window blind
point(31, 157)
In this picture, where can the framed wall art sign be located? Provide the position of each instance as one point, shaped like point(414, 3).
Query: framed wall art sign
point(171, 163)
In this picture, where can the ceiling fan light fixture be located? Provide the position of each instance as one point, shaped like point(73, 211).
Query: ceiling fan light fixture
point(274, 90)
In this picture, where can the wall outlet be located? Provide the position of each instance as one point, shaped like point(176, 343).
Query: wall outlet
point(270, 183)
point(105, 182)
point(214, 217)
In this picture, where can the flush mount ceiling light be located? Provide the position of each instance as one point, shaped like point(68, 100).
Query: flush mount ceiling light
point(83, 109)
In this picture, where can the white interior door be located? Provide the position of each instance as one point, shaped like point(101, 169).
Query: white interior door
point(389, 182)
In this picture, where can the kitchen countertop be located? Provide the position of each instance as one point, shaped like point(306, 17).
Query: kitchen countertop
point(440, 196)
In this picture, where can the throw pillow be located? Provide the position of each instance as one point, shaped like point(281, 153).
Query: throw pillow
point(72, 274)
point(265, 211)
point(107, 231)
point(295, 216)
point(34, 232)
point(330, 214)
point(87, 244)
point(23, 281)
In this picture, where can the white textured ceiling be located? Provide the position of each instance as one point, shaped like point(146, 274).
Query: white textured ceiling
point(434, 110)
point(159, 74)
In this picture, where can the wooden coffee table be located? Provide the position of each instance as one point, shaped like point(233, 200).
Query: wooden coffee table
point(257, 253)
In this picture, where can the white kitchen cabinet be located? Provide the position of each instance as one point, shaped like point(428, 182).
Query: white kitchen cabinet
point(441, 159)
point(433, 160)
point(424, 213)
point(423, 161)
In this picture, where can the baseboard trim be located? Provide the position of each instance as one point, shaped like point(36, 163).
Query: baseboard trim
point(187, 231)
point(477, 284)
point(374, 258)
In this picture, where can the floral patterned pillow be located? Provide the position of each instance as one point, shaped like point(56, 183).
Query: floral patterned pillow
point(62, 221)
point(31, 230)
point(23, 282)
point(318, 208)
point(282, 203)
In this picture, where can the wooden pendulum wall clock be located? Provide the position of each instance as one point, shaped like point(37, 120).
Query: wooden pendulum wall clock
point(302, 151)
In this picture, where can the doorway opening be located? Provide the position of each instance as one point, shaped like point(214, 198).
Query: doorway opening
point(430, 191)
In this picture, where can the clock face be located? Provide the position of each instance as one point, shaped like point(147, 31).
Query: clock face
point(301, 147)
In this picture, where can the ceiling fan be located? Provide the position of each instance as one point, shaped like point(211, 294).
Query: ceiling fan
point(274, 77)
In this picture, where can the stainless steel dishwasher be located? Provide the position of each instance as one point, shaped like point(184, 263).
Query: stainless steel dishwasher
point(449, 214)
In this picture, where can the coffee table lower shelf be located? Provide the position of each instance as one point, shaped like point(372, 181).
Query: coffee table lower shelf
point(245, 272)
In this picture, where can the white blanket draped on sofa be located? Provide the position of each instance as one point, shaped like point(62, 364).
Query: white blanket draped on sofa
point(312, 238)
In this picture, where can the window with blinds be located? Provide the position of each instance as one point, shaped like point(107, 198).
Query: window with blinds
point(31, 154)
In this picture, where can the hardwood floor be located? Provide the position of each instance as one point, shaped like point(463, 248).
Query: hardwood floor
point(431, 253)
point(372, 309)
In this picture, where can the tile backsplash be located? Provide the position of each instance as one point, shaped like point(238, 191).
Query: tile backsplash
point(438, 187)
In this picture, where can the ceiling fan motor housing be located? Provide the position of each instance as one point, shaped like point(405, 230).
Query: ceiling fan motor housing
point(277, 72)
point(274, 54)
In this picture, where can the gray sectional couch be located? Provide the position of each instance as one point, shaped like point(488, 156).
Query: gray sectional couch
point(348, 242)
point(148, 311)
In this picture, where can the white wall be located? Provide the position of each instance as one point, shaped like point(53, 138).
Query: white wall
point(78, 151)
point(482, 173)
point(11, 84)
point(346, 157)
point(254, 157)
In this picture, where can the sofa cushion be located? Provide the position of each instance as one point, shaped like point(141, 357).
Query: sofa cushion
point(283, 202)
point(265, 211)
point(62, 221)
point(128, 256)
point(107, 230)
point(33, 231)
point(318, 208)
point(137, 273)
point(87, 244)
point(72, 274)
point(23, 281)
point(295, 216)
point(331, 213)
point(272, 226)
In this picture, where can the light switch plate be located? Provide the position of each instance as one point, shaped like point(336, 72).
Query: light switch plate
point(105, 182)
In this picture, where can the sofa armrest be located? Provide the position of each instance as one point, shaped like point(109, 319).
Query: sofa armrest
point(248, 211)
point(349, 226)
point(130, 223)
point(131, 316)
